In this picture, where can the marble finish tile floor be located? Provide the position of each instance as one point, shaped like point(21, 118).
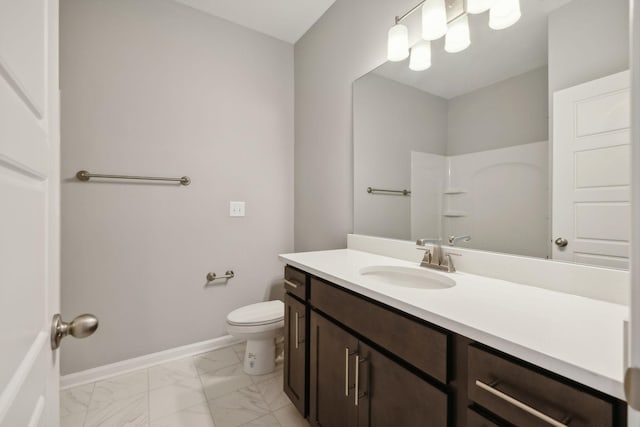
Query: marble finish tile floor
point(206, 390)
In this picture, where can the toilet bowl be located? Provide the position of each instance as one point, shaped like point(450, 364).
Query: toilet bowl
point(259, 324)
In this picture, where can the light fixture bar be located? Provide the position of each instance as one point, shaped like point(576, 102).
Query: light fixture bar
point(413, 9)
point(416, 7)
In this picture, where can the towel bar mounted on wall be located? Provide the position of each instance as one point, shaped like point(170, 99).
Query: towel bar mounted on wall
point(383, 191)
point(86, 176)
point(229, 274)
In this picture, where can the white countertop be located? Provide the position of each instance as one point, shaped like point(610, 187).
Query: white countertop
point(576, 337)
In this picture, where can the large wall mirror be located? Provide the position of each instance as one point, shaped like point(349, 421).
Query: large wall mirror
point(519, 141)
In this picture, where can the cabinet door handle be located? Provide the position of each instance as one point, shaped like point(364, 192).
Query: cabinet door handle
point(357, 378)
point(297, 332)
point(346, 371)
point(521, 405)
point(290, 283)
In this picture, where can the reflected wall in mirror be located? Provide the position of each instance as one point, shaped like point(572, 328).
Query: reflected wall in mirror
point(474, 138)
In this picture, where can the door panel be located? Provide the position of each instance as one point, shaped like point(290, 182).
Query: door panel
point(600, 167)
point(603, 113)
point(294, 344)
point(591, 172)
point(330, 404)
point(23, 49)
point(391, 395)
point(29, 217)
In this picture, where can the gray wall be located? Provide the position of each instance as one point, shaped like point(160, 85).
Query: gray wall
point(390, 120)
point(507, 113)
point(588, 39)
point(346, 43)
point(151, 87)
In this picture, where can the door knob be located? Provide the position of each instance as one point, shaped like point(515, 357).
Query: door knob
point(561, 242)
point(80, 327)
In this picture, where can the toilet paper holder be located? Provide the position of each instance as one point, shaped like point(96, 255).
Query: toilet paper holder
point(229, 274)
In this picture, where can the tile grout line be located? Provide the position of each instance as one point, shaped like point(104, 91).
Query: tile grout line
point(202, 387)
point(86, 412)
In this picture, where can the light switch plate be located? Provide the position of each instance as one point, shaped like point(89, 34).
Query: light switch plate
point(236, 208)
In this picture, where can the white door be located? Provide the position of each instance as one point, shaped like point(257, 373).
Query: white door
point(29, 211)
point(632, 385)
point(591, 172)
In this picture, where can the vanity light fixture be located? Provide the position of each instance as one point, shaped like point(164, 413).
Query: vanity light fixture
point(434, 19)
point(457, 38)
point(479, 6)
point(504, 13)
point(420, 56)
point(398, 43)
point(435, 24)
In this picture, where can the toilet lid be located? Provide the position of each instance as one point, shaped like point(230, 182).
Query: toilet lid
point(257, 314)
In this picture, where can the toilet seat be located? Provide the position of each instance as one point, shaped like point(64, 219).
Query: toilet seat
point(259, 324)
point(259, 314)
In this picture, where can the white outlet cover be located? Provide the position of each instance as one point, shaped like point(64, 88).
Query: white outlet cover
point(236, 208)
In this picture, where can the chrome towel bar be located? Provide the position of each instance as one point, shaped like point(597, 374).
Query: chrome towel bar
point(381, 190)
point(86, 176)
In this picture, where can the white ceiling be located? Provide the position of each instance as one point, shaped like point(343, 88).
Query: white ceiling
point(492, 57)
point(286, 20)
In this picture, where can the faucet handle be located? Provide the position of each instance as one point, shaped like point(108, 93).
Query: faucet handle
point(449, 262)
point(449, 265)
point(422, 242)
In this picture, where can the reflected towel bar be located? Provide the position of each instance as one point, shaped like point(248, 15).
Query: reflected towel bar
point(85, 176)
point(381, 190)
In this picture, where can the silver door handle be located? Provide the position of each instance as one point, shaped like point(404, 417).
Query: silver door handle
point(80, 327)
point(561, 242)
point(297, 336)
point(346, 371)
point(357, 378)
point(521, 405)
point(359, 360)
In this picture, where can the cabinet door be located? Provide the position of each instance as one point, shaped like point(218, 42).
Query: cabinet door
point(295, 353)
point(390, 395)
point(331, 390)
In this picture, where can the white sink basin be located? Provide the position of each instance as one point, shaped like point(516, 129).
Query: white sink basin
point(407, 277)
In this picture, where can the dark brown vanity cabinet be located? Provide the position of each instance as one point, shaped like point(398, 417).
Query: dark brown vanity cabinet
point(352, 384)
point(295, 342)
point(352, 361)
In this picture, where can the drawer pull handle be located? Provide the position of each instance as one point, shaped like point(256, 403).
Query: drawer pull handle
point(290, 283)
point(297, 332)
point(519, 404)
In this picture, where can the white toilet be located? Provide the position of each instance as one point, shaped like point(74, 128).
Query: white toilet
point(259, 324)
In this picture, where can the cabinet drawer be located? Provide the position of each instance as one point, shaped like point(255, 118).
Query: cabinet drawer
point(295, 282)
point(422, 346)
point(525, 397)
point(476, 420)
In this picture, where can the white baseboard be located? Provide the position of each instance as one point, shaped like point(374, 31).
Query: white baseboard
point(129, 365)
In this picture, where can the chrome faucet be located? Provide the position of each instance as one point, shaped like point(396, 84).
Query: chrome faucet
point(435, 257)
point(455, 239)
